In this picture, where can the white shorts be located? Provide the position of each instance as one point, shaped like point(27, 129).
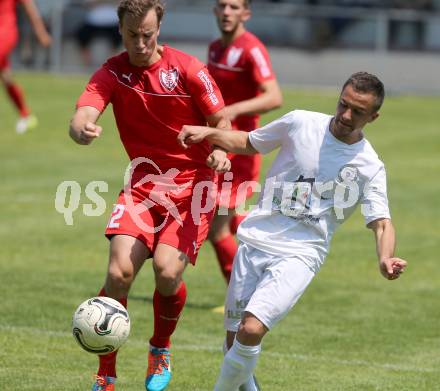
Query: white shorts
point(266, 285)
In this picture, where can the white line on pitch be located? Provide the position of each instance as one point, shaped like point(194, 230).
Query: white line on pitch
point(213, 348)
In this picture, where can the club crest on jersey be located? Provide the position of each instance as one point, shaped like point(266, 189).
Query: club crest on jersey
point(234, 55)
point(169, 79)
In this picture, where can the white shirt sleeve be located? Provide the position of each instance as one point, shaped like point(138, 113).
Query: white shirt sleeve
point(271, 136)
point(374, 204)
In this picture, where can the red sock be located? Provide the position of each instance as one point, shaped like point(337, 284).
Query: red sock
point(167, 310)
point(235, 222)
point(16, 95)
point(225, 250)
point(107, 363)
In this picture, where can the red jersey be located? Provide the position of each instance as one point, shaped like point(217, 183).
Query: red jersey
point(151, 104)
point(239, 69)
point(8, 20)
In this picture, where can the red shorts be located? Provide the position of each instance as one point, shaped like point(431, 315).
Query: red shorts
point(246, 173)
point(8, 42)
point(181, 222)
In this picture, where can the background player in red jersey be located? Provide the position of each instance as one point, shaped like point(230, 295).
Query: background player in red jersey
point(8, 40)
point(240, 65)
point(154, 91)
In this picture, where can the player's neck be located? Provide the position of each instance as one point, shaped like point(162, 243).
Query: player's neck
point(347, 138)
point(155, 57)
point(229, 37)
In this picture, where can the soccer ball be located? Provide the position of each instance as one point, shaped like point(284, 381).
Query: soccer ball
point(101, 325)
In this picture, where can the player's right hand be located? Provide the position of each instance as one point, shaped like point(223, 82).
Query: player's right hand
point(191, 135)
point(89, 133)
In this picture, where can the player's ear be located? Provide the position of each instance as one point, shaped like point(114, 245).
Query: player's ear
point(374, 116)
point(246, 15)
point(215, 10)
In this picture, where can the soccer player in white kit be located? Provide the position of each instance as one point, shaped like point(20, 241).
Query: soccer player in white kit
point(324, 169)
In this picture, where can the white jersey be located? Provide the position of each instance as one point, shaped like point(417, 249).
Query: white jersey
point(314, 184)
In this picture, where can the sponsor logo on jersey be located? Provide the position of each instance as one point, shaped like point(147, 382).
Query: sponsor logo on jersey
point(261, 62)
point(209, 87)
point(347, 173)
point(169, 79)
point(234, 55)
point(127, 76)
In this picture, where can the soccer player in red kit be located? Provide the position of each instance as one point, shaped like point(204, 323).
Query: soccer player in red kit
point(240, 65)
point(154, 91)
point(9, 38)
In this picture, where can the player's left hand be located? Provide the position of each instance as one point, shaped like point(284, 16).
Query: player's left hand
point(392, 268)
point(45, 39)
point(218, 161)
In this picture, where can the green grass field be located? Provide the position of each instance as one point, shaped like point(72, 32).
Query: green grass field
point(352, 329)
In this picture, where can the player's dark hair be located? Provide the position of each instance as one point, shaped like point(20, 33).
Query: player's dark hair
point(139, 8)
point(367, 83)
point(246, 3)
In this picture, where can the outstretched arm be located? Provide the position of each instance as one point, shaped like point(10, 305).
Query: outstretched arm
point(37, 23)
point(83, 129)
point(390, 266)
point(235, 141)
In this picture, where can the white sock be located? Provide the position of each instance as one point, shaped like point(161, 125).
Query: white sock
point(225, 347)
point(249, 385)
point(238, 365)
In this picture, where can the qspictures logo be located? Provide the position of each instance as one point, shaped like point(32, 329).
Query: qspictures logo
point(298, 199)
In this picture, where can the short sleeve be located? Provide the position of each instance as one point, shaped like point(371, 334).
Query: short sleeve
point(204, 89)
point(98, 92)
point(260, 63)
point(374, 202)
point(271, 136)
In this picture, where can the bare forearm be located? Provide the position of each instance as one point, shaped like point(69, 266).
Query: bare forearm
point(258, 105)
point(222, 124)
point(83, 129)
point(37, 23)
point(270, 98)
point(235, 141)
point(385, 241)
point(390, 266)
point(76, 124)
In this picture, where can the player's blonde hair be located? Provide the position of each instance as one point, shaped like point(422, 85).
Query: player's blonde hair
point(139, 8)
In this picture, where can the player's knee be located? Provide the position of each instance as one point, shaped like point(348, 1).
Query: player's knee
point(119, 280)
point(167, 280)
point(251, 331)
point(167, 275)
point(4, 79)
point(216, 235)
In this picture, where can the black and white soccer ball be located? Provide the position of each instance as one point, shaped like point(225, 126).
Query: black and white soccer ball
point(101, 325)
